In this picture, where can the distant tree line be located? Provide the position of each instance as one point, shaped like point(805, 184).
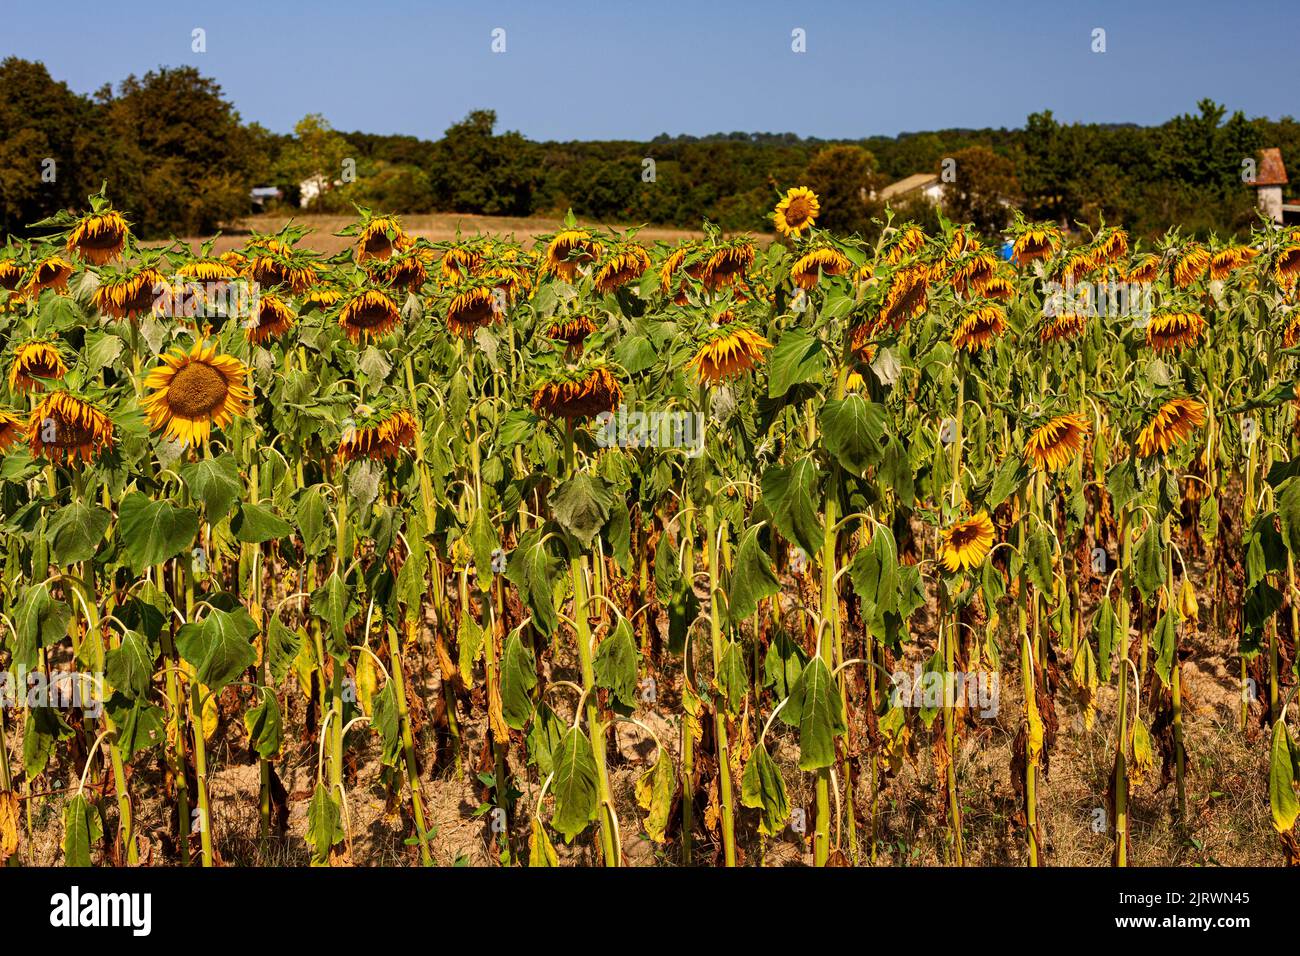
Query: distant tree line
point(179, 158)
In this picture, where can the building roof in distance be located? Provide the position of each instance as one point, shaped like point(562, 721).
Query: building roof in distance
point(910, 184)
point(1271, 172)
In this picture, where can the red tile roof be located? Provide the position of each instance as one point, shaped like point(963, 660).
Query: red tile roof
point(1271, 172)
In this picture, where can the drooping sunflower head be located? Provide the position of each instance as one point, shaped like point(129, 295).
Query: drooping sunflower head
point(209, 269)
point(462, 260)
point(50, 272)
point(471, 309)
point(1052, 445)
point(812, 265)
point(195, 390)
point(1066, 325)
point(369, 314)
point(34, 361)
point(1190, 265)
point(98, 237)
point(570, 329)
point(578, 393)
point(1174, 421)
point(727, 351)
point(403, 270)
point(378, 434)
point(1076, 264)
point(998, 287)
point(626, 262)
point(972, 271)
point(1038, 241)
point(796, 212)
point(1291, 331)
point(568, 251)
point(322, 297)
point(274, 317)
point(11, 273)
point(1169, 331)
point(907, 296)
point(978, 326)
point(131, 294)
point(906, 241)
point(1109, 246)
point(377, 237)
point(967, 543)
point(1143, 270)
point(728, 264)
point(12, 429)
point(1225, 260)
point(1286, 266)
point(64, 427)
point(274, 263)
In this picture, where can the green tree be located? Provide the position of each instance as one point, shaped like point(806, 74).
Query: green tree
point(984, 190)
point(314, 160)
point(473, 170)
point(844, 179)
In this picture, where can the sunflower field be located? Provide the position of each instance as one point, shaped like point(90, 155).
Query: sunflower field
point(733, 552)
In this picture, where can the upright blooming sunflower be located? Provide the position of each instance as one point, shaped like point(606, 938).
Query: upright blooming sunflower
point(979, 326)
point(1175, 420)
point(728, 351)
point(967, 543)
point(578, 393)
point(34, 361)
point(12, 429)
point(1171, 331)
point(370, 313)
point(815, 263)
point(1052, 445)
point(194, 391)
point(379, 435)
point(568, 251)
point(274, 317)
point(796, 212)
point(99, 237)
point(64, 427)
point(624, 264)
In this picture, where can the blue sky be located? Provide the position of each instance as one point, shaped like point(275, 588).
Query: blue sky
point(584, 69)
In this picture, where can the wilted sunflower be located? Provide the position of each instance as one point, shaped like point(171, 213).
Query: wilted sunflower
point(51, 272)
point(1175, 420)
point(797, 211)
point(378, 436)
point(1286, 266)
point(1191, 265)
point(275, 263)
point(906, 241)
point(1077, 264)
point(131, 294)
point(728, 351)
point(1109, 246)
point(379, 236)
point(405, 270)
point(1225, 260)
point(972, 272)
point(322, 297)
point(1170, 331)
point(727, 264)
point(1067, 325)
point(1052, 445)
point(370, 313)
point(1291, 332)
point(567, 251)
point(195, 390)
point(461, 262)
point(979, 326)
point(34, 361)
point(816, 263)
point(471, 310)
point(579, 393)
point(626, 263)
point(208, 270)
point(1000, 288)
point(11, 275)
point(98, 238)
point(1036, 242)
point(1143, 270)
point(907, 296)
point(967, 543)
point(64, 427)
point(570, 329)
point(274, 318)
point(11, 429)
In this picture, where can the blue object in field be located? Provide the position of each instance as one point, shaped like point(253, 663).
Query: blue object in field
point(1007, 248)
